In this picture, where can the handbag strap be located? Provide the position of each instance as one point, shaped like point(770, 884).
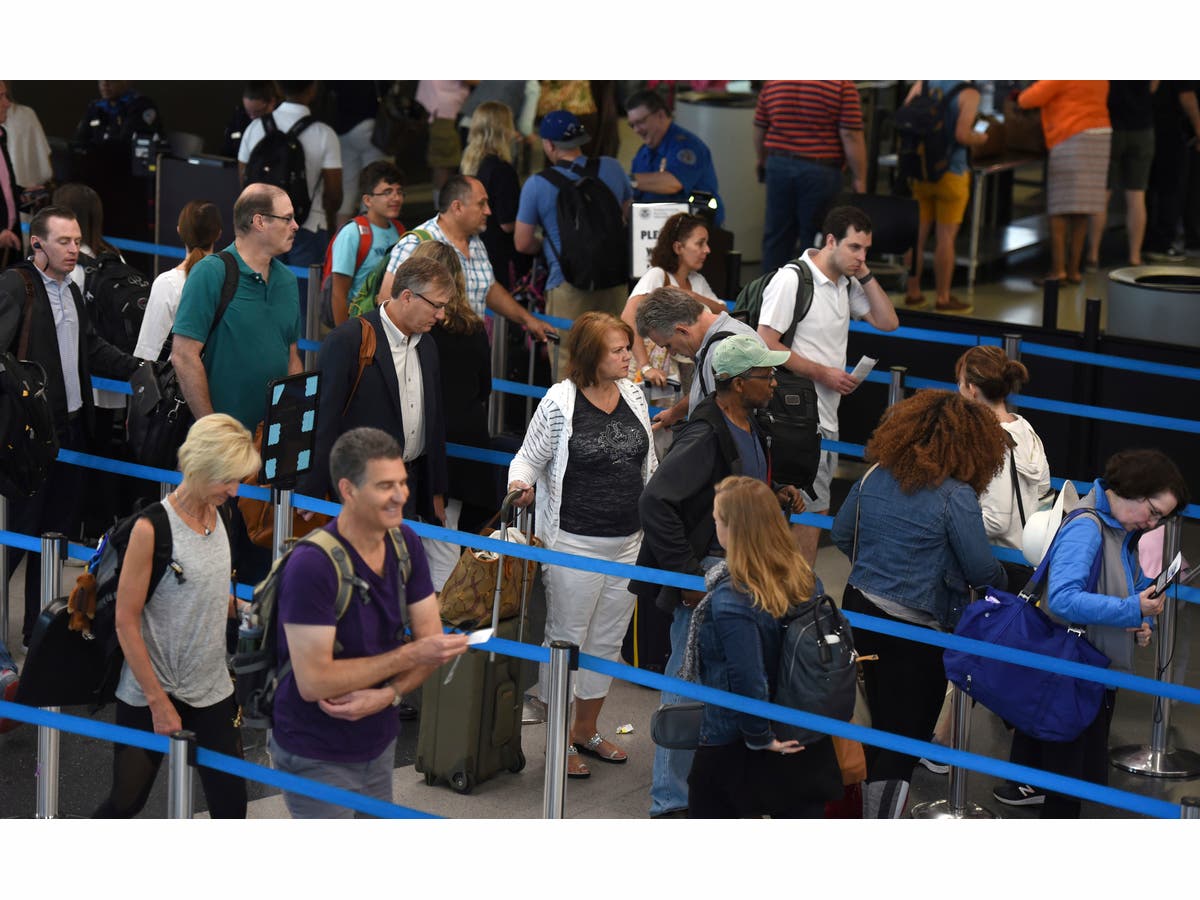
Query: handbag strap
point(1035, 580)
point(857, 509)
point(1012, 467)
point(26, 314)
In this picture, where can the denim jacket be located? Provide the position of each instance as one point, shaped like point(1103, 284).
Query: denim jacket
point(739, 652)
point(923, 550)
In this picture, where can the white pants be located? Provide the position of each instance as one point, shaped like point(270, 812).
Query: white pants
point(443, 556)
point(588, 609)
point(357, 153)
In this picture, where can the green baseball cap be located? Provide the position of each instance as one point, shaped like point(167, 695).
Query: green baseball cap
point(741, 352)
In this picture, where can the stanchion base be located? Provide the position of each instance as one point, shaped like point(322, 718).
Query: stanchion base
point(941, 809)
point(1169, 763)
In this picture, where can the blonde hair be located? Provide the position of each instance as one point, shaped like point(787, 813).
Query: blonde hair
point(761, 553)
point(460, 318)
point(218, 448)
point(491, 134)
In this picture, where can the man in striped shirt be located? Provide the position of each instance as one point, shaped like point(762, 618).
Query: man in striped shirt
point(805, 132)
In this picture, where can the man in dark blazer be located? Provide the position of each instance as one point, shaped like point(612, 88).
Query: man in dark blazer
point(64, 342)
point(400, 389)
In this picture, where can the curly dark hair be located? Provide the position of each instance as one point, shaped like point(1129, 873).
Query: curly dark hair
point(935, 435)
point(677, 228)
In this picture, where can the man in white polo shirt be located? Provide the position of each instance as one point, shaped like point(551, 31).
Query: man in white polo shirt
point(843, 286)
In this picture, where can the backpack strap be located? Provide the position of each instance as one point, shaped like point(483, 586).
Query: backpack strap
point(161, 559)
point(404, 562)
point(228, 289)
point(804, 298)
point(703, 355)
point(269, 126)
point(26, 314)
point(299, 125)
point(1016, 483)
point(366, 356)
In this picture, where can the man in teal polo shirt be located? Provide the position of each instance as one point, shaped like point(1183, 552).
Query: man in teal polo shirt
point(256, 339)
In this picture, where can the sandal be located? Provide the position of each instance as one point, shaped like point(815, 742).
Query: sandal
point(918, 300)
point(576, 767)
point(593, 747)
point(955, 305)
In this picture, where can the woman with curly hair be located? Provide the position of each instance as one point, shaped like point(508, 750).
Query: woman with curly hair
point(742, 769)
point(913, 530)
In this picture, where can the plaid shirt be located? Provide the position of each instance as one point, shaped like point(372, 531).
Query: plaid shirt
point(476, 265)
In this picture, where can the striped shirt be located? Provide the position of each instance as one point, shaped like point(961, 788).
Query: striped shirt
point(804, 117)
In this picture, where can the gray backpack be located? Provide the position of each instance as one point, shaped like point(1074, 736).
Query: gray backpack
point(817, 671)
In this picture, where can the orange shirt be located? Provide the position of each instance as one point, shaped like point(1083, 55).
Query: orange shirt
point(1068, 107)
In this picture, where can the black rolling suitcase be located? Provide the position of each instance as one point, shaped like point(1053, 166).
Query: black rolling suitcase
point(471, 707)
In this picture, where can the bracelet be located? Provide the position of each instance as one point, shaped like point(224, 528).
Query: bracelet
point(646, 368)
point(867, 279)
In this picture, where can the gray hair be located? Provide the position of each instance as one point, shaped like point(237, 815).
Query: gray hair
point(664, 308)
point(420, 274)
point(353, 450)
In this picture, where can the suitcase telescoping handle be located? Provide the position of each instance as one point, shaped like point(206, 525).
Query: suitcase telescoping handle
point(505, 510)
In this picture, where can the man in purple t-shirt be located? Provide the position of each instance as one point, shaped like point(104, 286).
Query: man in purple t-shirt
point(336, 720)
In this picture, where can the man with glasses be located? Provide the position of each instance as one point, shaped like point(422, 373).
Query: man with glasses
point(672, 163)
point(399, 391)
point(365, 240)
point(255, 341)
point(721, 438)
point(463, 212)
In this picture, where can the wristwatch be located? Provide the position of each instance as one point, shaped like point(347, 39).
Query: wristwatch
point(633, 182)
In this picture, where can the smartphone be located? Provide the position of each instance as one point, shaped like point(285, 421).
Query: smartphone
point(981, 126)
point(1168, 575)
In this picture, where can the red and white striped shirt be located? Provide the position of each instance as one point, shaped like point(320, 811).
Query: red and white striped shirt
point(803, 117)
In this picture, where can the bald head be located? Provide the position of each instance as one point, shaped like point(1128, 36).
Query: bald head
point(255, 200)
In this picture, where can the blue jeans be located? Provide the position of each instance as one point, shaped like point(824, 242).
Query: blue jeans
point(668, 784)
point(6, 660)
point(307, 248)
point(796, 191)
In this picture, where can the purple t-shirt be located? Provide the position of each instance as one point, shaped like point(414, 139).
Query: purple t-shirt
point(306, 597)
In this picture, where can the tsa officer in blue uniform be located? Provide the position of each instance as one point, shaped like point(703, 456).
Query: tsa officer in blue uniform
point(672, 162)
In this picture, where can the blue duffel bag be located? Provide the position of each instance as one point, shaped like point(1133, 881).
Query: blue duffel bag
point(1044, 705)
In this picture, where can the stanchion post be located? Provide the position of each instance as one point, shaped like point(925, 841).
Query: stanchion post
point(956, 806)
point(1012, 349)
point(312, 314)
point(54, 547)
point(896, 388)
point(1050, 304)
point(1158, 758)
point(3, 571)
point(181, 758)
point(499, 348)
point(564, 659)
point(281, 500)
point(1189, 808)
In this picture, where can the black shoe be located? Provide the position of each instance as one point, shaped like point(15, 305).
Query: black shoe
point(407, 713)
point(1012, 794)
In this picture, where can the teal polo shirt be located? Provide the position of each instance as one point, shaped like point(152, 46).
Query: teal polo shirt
point(251, 344)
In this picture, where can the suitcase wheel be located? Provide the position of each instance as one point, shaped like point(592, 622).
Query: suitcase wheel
point(518, 763)
point(462, 782)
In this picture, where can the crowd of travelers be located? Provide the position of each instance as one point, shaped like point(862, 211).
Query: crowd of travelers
point(405, 365)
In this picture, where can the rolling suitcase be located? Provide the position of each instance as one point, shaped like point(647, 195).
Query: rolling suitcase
point(471, 707)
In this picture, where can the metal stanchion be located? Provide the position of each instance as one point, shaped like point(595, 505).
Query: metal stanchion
point(1159, 758)
point(1189, 808)
point(1012, 349)
point(499, 349)
point(956, 806)
point(181, 758)
point(54, 548)
point(281, 501)
point(896, 388)
point(312, 314)
point(564, 659)
point(3, 571)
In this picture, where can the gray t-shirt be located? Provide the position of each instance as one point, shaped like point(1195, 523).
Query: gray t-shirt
point(724, 322)
point(183, 625)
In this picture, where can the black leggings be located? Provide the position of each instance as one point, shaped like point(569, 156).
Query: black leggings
point(905, 688)
point(134, 769)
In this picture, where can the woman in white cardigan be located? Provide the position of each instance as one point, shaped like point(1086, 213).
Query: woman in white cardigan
point(590, 449)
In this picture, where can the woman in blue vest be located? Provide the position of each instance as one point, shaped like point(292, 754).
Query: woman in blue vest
point(1140, 489)
point(741, 769)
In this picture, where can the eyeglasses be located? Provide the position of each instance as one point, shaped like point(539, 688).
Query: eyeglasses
point(770, 376)
point(439, 307)
point(390, 192)
point(1154, 513)
point(288, 219)
point(641, 120)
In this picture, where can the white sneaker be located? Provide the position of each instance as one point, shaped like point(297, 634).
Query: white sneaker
point(934, 767)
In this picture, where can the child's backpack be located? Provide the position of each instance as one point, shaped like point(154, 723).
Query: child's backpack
point(278, 159)
point(255, 664)
point(925, 137)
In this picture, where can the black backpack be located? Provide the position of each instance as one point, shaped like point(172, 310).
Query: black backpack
point(278, 159)
point(925, 137)
point(28, 439)
point(595, 248)
point(817, 666)
point(116, 295)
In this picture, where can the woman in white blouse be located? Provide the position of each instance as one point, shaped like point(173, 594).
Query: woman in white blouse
point(676, 261)
point(199, 228)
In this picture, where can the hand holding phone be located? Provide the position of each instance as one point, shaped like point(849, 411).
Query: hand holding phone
point(982, 126)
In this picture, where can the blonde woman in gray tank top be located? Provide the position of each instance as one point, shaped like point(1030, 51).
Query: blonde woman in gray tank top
point(173, 633)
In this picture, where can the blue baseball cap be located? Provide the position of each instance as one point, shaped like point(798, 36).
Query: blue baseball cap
point(563, 129)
